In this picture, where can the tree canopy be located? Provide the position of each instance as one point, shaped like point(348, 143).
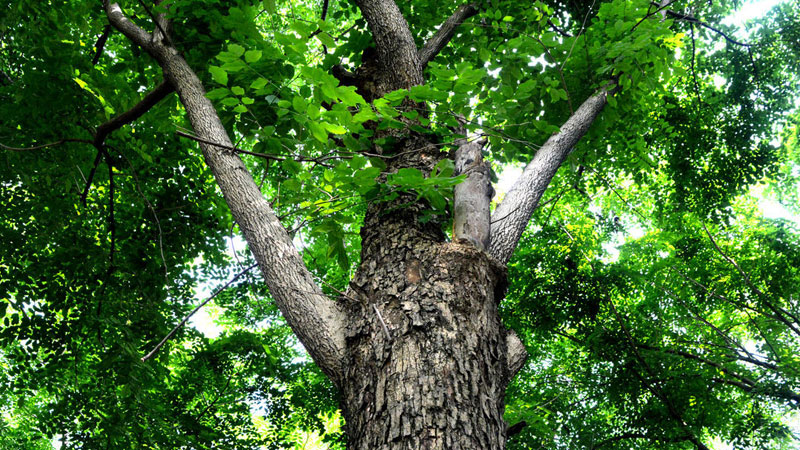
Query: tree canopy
point(659, 304)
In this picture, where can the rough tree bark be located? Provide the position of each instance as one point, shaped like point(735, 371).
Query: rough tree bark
point(416, 345)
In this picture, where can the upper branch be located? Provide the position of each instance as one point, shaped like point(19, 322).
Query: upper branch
point(396, 52)
point(316, 319)
point(132, 31)
point(149, 100)
point(436, 43)
point(692, 19)
point(512, 215)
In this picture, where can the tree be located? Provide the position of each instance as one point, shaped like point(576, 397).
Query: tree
point(367, 125)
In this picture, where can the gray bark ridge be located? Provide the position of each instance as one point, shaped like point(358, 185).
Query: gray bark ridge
point(317, 320)
point(512, 215)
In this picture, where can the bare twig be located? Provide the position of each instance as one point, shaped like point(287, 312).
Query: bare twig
point(558, 30)
point(152, 211)
point(186, 319)
point(688, 18)
point(383, 324)
point(43, 146)
point(90, 178)
point(655, 390)
point(112, 226)
point(694, 70)
point(320, 160)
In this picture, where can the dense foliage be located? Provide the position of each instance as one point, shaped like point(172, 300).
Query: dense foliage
point(659, 304)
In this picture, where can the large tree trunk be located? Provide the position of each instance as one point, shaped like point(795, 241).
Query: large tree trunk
point(416, 345)
point(426, 360)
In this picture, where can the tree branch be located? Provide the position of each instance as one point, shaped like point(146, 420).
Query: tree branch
point(101, 43)
point(512, 215)
point(397, 57)
point(124, 25)
point(102, 132)
point(138, 110)
point(689, 18)
point(317, 320)
point(471, 197)
point(197, 308)
point(446, 31)
point(42, 146)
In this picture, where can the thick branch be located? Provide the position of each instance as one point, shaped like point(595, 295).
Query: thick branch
point(471, 197)
point(445, 33)
point(512, 215)
point(101, 43)
point(396, 52)
point(149, 100)
point(316, 319)
point(132, 31)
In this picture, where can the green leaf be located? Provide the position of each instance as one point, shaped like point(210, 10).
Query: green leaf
point(236, 49)
point(326, 40)
point(252, 56)
point(318, 131)
point(218, 74)
point(230, 101)
point(299, 104)
point(237, 90)
point(218, 93)
point(333, 128)
point(258, 84)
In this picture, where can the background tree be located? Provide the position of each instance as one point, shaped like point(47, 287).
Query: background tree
point(659, 307)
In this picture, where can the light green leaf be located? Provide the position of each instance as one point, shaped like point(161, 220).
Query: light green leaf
point(218, 74)
point(318, 131)
point(236, 49)
point(252, 56)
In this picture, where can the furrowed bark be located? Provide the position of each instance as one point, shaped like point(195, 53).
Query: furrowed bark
point(512, 215)
point(435, 376)
point(397, 60)
point(439, 40)
point(471, 214)
point(316, 319)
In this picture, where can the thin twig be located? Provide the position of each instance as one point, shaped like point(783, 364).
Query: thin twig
point(320, 160)
point(42, 146)
point(694, 70)
point(152, 210)
point(112, 226)
point(186, 319)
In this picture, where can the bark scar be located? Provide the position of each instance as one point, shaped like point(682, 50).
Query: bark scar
point(413, 274)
